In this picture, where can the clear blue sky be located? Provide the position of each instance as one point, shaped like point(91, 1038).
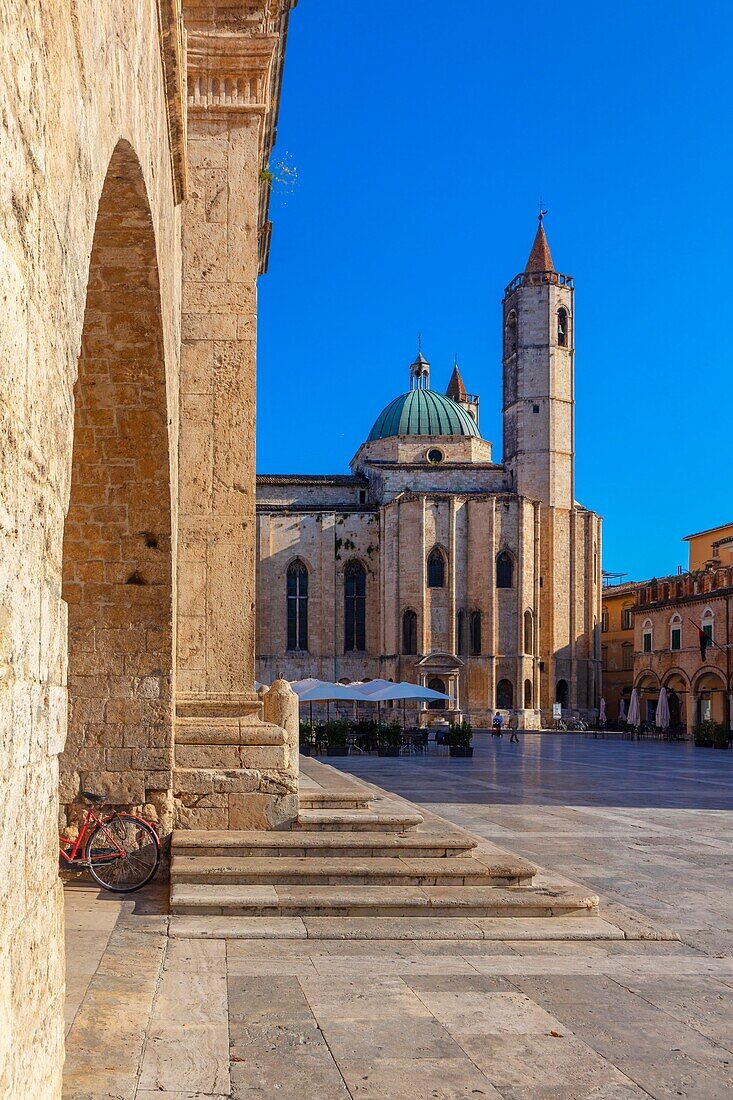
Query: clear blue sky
point(423, 134)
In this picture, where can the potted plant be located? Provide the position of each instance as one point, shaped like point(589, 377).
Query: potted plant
point(306, 738)
point(336, 743)
point(703, 734)
point(721, 736)
point(460, 735)
point(389, 739)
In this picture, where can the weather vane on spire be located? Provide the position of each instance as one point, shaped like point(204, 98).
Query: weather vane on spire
point(542, 212)
point(419, 343)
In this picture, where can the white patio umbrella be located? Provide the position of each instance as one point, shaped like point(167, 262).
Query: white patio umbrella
point(403, 691)
point(321, 691)
point(622, 711)
point(369, 687)
point(661, 718)
point(299, 686)
point(602, 710)
point(634, 717)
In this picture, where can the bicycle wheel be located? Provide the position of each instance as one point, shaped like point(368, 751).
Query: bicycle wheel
point(123, 853)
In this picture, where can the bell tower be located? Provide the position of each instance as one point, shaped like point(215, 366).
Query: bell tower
point(539, 393)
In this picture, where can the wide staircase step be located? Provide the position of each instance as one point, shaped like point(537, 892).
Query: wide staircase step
point(388, 821)
point(397, 901)
point(349, 871)
point(350, 799)
point(577, 927)
point(315, 845)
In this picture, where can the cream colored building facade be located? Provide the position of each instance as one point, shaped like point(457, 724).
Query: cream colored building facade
point(133, 226)
point(431, 562)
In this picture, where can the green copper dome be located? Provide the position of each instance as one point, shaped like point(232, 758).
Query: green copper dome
point(423, 412)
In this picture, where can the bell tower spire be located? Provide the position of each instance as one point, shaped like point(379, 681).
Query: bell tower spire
point(538, 408)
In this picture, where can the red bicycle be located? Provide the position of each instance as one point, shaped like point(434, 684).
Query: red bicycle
point(121, 851)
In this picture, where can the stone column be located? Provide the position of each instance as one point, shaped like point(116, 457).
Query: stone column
point(232, 770)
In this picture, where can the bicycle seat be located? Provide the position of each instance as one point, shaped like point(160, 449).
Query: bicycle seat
point(91, 797)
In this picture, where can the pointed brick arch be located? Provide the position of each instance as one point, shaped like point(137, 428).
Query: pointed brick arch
point(117, 560)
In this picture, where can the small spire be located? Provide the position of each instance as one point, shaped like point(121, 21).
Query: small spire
point(456, 389)
point(420, 369)
point(540, 258)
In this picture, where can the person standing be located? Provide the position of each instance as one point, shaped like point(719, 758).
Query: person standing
point(496, 725)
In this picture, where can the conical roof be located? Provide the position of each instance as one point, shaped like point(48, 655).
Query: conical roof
point(540, 258)
point(456, 389)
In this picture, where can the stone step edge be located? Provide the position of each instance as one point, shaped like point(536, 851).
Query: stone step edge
point(208, 840)
point(441, 929)
point(205, 868)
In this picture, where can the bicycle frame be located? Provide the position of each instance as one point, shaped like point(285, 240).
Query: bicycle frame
point(70, 850)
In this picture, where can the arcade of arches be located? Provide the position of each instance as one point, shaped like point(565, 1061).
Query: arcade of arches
point(135, 226)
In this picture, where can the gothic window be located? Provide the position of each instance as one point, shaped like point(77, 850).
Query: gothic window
point(504, 695)
point(707, 624)
point(461, 632)
point(527, 694)
point(561, 693)
point(528, 632)
point(504, 570)
point(436, 569)
point(563, 327)
point(475, 640)
point(510, 335)
point(409, 632)
point(436, 684)
point(647, 636)
point(297, 605)
point(675, 633)
point(354, 607)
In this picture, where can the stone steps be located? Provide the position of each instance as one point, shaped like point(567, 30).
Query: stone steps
point(387, 821)
point(314, 845)
point(392, 929)
point(372, 901)
point(335, 800)
point(353, 870)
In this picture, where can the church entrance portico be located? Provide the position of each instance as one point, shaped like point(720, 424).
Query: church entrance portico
point(444, 669)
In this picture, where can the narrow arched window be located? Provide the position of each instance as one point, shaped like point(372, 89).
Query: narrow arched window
point(409, 632)
point(647, 637)
point(504, 570)
point(437, 684)
point(461, 632)
point(476, 633)
point(504, 695)
point(527, 694)
point(675, 633)
point(561, 693)
point(354, 607)
point(510, 334)
point(436, 569)
point(563, 327)
point(528, 632)
point(297, 605)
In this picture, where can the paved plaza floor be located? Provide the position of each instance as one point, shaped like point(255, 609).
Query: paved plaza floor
point(648, 826)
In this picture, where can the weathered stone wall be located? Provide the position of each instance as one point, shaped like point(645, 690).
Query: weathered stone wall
point(76, 78)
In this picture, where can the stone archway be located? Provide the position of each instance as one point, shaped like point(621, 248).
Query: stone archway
point(117, 555)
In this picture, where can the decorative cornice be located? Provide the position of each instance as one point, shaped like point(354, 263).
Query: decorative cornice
point(172, 40)
point(230, 72)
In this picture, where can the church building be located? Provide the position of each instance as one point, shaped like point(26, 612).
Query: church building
point(432, 562)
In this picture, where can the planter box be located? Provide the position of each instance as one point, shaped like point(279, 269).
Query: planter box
point(388, 750)
point(726, 746)
point(459, 750)
point(337, 750)
point(703, 744)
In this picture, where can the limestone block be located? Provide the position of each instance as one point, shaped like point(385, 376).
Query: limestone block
point(262, 811)
point(122, 788)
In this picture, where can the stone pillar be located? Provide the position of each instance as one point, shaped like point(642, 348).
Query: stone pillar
point(232, 769)
point(281, 709)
